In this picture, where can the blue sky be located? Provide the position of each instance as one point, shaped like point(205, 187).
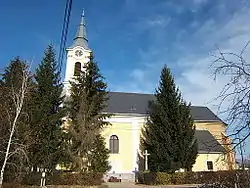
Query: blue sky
point(133, 39)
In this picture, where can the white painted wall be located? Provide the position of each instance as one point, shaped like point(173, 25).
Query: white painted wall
point(70, 65)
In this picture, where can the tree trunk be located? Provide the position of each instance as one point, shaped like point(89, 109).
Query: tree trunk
point(18, 99)
point(8, 146)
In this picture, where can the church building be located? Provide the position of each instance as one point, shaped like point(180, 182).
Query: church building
point(129, 109)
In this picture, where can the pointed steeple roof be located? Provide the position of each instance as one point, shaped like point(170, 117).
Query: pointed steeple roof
point(81, 35)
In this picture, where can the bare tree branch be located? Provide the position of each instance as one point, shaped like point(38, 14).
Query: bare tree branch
point(236, 92)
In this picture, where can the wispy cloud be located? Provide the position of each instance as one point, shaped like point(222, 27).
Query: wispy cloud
point(184, 39)
point(230, 37)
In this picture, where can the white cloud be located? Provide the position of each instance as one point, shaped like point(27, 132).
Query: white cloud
point(138, 82)
point(138, 75)
point(187, 47)
point(197, 83)
point(190, 65)
point(230, 38)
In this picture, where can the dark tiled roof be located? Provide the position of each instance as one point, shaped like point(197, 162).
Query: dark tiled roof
point(135, 103)
point(207, 143)
point(128, 103)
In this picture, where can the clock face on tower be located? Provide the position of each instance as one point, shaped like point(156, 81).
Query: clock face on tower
point(78, 53)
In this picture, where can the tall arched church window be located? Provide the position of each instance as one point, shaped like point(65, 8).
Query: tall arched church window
point(114, 144)
point(77, 69)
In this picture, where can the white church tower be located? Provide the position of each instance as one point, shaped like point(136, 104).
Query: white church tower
point(77, 55)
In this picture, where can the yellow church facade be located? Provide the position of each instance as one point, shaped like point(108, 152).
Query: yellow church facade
point(129, 115)
point(127, 131)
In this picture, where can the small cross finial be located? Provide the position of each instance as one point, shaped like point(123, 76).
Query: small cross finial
point(82, 12)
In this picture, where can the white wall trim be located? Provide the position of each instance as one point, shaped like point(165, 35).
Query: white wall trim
point(125, 119)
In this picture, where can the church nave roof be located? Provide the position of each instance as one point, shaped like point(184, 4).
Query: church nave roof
point(137, 103)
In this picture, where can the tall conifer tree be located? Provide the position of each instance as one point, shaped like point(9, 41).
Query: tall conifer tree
point(188, 144)
point(169, 130)
point(88, 100)
point(47, 113)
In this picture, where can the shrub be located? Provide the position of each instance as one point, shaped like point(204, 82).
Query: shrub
point(69, 178)
point(11, 185)
point(147, 178)
point(191, 178)
point(178, 178)
point(163, 178)
point(32, 178)
point(226, 178)
point(64, 178)
point(13, 175)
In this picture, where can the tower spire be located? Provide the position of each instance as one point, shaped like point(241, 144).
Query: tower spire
point(81, 35)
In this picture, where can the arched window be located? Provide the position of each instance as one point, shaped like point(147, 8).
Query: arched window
point(77, 69)
point(114, 144)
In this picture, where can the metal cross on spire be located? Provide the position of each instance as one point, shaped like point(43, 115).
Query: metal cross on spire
point(81, 34)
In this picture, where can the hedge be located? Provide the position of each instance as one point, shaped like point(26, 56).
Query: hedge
point(12, 185)
point(16, 185)
point(227, 178)
point(64, 178)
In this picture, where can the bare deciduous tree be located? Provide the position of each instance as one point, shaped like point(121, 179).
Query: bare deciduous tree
point(235, 95)
point(17, 97)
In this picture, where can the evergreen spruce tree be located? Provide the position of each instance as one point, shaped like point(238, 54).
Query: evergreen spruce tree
point(88, 100)
point(47, 113)
point(169, 133)
point(99, 156)
point(189, 144)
